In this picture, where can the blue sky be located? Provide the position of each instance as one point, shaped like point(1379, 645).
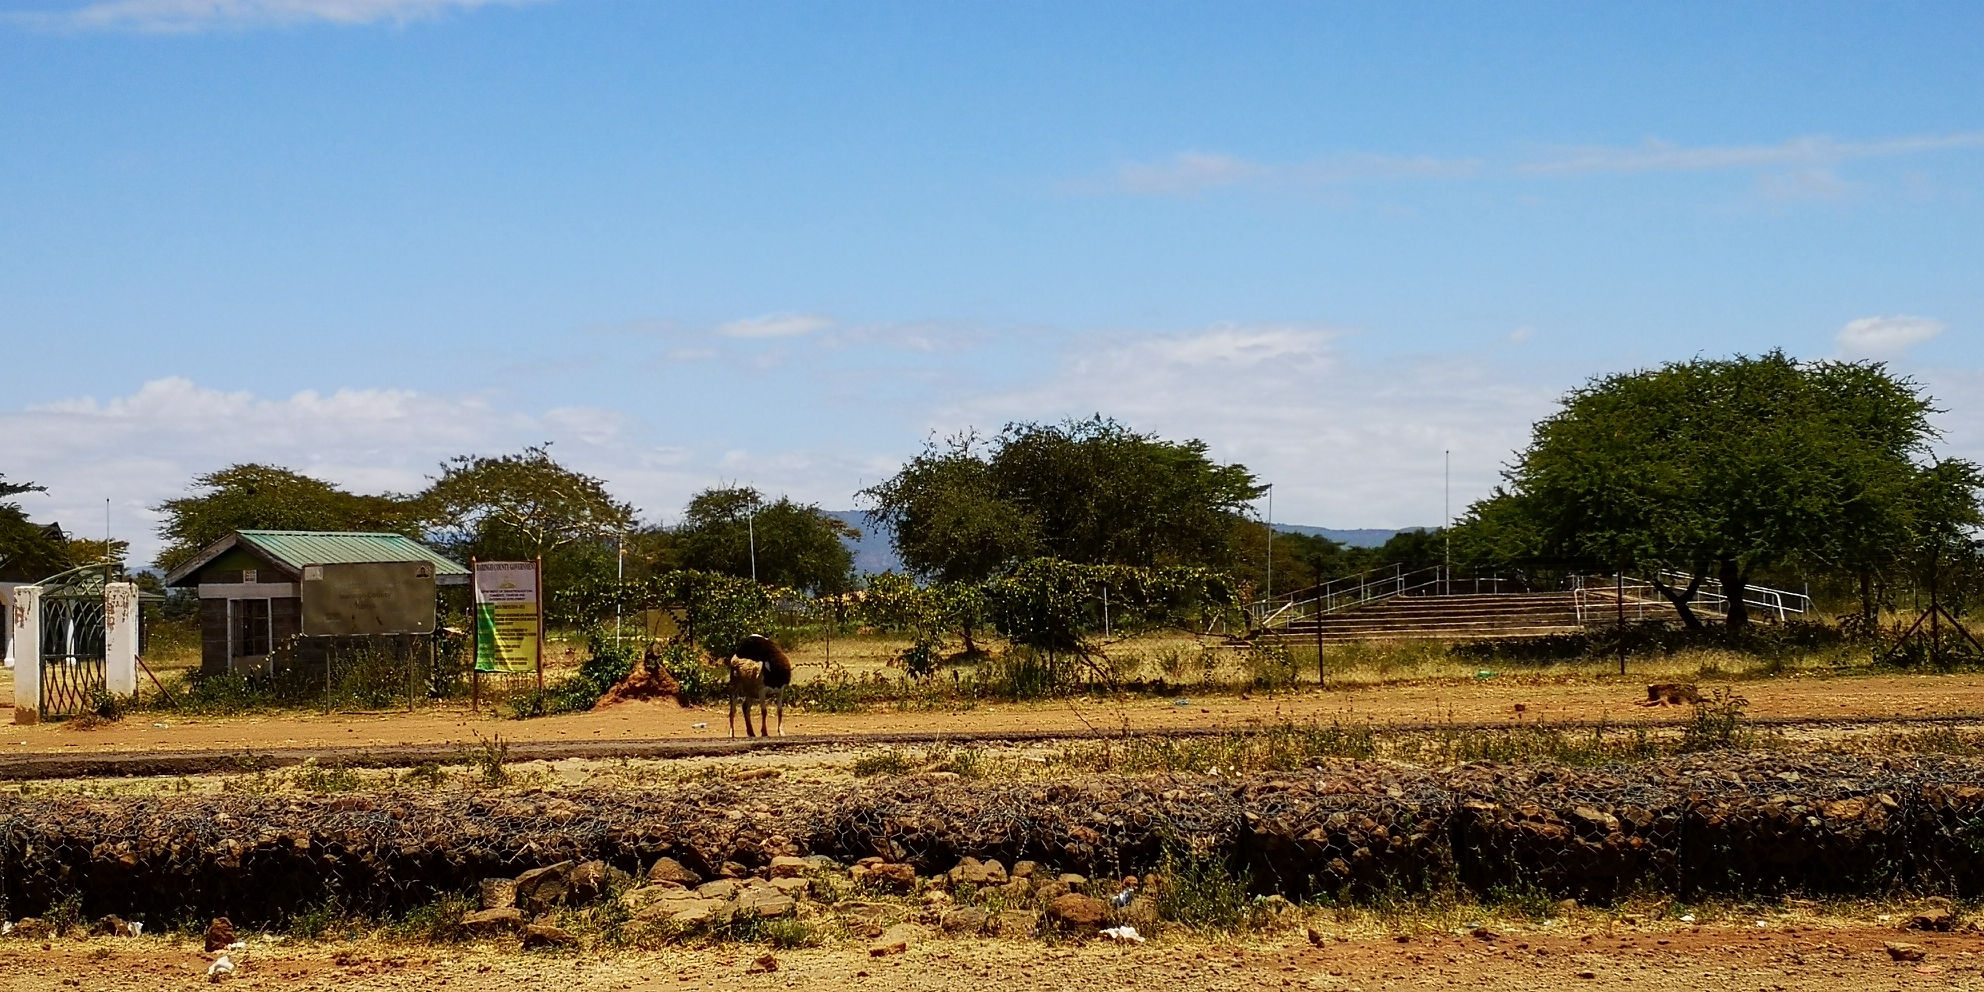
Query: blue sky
point(783, 243)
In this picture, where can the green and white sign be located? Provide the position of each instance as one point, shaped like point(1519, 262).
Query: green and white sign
point(509, 616)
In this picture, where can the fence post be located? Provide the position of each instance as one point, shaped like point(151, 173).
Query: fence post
point(120, 638)
point(27, 667)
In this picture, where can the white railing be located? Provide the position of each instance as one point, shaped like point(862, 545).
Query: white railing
point(1364, 588)
point(1599, 598)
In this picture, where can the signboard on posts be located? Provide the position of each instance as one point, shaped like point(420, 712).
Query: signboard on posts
point(509, 616)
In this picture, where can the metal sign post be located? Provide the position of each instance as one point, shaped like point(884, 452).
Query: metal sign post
point(540, 622)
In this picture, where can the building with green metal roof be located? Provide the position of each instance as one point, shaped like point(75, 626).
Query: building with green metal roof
point(265, 591)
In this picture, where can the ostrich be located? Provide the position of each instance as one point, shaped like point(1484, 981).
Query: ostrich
point(759, 672)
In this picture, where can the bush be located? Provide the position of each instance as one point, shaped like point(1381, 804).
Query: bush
point(1718, 723)
point(326, 778)
point(605, 665)
point(1199, 891)
point(700, 683)
point(437, 922)
point(1022, 673)
point(200, 694)
point(1270, 666)
point(317, 922)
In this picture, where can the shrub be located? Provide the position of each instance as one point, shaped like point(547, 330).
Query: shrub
point(317, 922)
point(605, 665)
point(488, 758)
point(1718, 723)
point(1270, 666)
point(1199, 891)
point(326, 778)
point(437, 922)
point(699, 682)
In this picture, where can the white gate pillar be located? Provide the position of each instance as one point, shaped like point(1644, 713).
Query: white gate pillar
point(120, 638)
point(7, 618)
point(26, 643)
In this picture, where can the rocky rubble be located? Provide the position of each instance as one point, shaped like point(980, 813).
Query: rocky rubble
point(701, 854)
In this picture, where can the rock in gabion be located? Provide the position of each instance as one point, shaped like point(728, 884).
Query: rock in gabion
point(1736, 823)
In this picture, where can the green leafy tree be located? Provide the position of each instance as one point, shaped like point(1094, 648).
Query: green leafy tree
point(1718, 469)
point(268, 497)
point(715, 610)
point(895, 604)
point(28, 551)
point(524, 506)
point(1943, 550)
point(797, 546)
point(948, 520)
point(1088, 491)
point(1053, 605)
point(651, 550)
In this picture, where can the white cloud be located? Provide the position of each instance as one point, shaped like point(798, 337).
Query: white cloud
point(1884, 337)
point(1347, 442)
point(777, 325)
point(1655, 155)
point(1803, 184)
point(144, 448)
point(1521, 334)
point(187, 16)
point(140, 449)
point(1189, 173)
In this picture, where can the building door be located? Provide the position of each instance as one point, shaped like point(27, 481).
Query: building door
point(248, 633)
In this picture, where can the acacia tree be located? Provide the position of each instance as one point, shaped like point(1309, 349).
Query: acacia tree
point(1089, 491)
point(524, 505)
point(1718, 468)
point(947, 519)
point(796, 544)
point(269, 497)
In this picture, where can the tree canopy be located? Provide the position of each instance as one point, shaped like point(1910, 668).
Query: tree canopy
point(520, 506)
point(797, 545)
point(1721, 467)
point(946, 517)
point(28, 550)
point(268, 497)
point(1088, 491)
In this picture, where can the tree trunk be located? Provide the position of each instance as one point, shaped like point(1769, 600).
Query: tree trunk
point(970, 649)
point(1869, 610)
point(1681, 598)
point(1734, 584)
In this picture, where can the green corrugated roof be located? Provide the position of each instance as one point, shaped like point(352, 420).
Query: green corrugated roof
point(297, 548)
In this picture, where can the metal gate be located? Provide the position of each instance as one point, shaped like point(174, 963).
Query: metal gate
point(73, 670)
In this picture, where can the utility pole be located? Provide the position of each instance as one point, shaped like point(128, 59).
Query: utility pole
point(620, 577)
point(751, 530)
point(1447, 521)
point(1270, 594)
point(1322, 674)
point(1619, 605)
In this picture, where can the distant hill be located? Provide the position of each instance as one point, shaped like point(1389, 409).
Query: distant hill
point(874, 555)
point(1365, 537)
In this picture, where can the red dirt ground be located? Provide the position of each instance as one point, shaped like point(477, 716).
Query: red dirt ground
point(1829, 959)
point(1860, 698)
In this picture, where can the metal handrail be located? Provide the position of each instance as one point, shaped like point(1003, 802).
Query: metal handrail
point(1639, 595)
point(1350, 591)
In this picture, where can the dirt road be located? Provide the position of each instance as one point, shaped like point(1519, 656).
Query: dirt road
point(1486, 700)
point(1684, 960)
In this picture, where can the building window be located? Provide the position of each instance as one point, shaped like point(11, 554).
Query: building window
point(251, 627)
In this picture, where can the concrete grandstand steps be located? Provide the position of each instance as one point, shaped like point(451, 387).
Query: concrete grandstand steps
point(1459, 617)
